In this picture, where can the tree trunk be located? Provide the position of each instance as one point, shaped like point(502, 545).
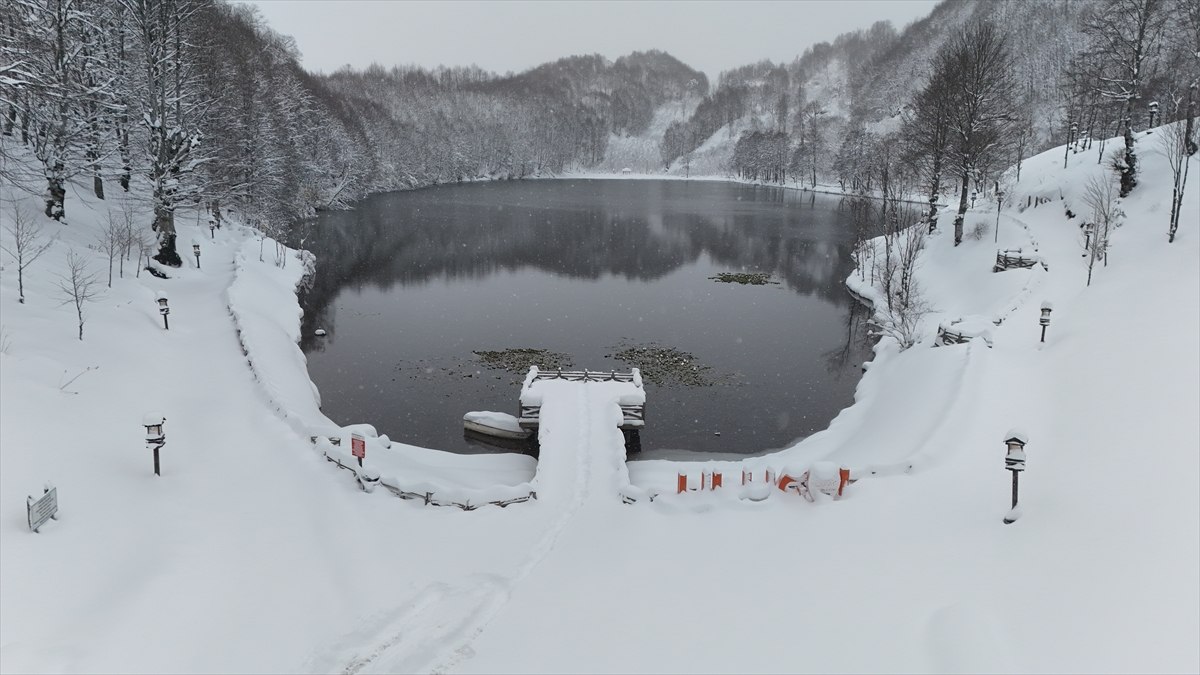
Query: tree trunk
point(56, 195)
point(164, 224)
point(1189, 134)
point(935, 185)
point(1129, 170)
point(962, 208)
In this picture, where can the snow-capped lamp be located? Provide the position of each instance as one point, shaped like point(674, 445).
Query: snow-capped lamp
point(1153, 112)
point(1044, 320)
point(196, 252)
point(1074, 134)
point(1014, 461)
point(156, 438)
point(163, 309)
point(212, 227)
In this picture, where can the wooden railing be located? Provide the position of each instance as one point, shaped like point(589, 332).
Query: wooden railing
point(632, 416)
point(583, 376)
point(1007, 260)
point(430, 499)
point(946, 336)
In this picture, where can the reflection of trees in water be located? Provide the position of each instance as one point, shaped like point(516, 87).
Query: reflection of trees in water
point(847, 356)
point(416, 237)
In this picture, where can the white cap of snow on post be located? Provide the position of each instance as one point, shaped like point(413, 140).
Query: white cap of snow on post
point(160, 295)
point(153, 419)
point(1046, 304)
point(1018, 435)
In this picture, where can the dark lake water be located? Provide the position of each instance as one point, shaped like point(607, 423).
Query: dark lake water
point(409, 285)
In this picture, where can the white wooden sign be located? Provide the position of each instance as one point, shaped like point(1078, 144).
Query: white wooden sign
point(42, 509)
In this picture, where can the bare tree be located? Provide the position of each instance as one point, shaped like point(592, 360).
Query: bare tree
point(27, 245)
point(978, 67)
point(929, 129)
point(144, 243)
point(110, 241)
point(78, 286)
point(1100, 196)
point(1176, 146)
point(127, 235)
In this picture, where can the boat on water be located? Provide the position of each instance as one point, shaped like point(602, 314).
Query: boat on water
point(498, 425)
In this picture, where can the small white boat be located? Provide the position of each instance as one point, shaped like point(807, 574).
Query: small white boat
point(500, 425)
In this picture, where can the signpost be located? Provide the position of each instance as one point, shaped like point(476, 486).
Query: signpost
point(358, 447)
point(43, 508)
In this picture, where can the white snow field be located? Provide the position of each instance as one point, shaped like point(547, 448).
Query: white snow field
point(251, 553)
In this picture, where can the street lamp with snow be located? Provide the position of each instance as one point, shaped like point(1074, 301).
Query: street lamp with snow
point(1153, 112)
point(196, 252)
point(163, 309)
point(155, 437)
point(1014, 461)
point(1044, 320)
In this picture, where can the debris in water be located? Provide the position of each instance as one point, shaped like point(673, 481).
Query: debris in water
point(519, 359)
point(750, 278)
point(666, 365)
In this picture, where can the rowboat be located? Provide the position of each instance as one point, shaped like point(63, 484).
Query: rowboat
point(499, 425)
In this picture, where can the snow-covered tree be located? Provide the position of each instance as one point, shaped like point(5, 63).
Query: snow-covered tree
point(170, 106)
point(58, 82)
point(1123, 35)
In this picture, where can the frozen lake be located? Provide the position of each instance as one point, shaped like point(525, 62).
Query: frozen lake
point(410, 285)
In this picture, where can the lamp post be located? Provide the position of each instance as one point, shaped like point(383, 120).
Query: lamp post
point(212, 228)
point(163, 309)
point(1070, 146)
point(1014, 461)
point(155, 437)
point(1153, 112)
point(999, 200)
point(974, 194)
point(196, 252)
point(1044, 320)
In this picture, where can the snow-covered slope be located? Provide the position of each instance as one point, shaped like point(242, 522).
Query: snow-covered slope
point(253, 554)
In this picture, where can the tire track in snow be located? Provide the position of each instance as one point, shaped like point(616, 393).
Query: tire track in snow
point(455, 615)
point(583, 473)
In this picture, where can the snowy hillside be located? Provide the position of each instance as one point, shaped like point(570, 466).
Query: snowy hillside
point(251, 553)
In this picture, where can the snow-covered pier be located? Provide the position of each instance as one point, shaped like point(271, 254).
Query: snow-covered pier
point(579, 416)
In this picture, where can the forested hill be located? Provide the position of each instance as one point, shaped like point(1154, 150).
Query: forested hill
point(199, 100)
point(840, 98)
point(202, 101)
point(454, 123)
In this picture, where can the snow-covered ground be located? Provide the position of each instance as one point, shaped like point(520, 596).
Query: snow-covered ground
point(253, 554)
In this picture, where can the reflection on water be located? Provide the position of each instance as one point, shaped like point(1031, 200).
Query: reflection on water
point(409, 284)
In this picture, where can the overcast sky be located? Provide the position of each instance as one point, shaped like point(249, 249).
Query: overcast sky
point(502, 36)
